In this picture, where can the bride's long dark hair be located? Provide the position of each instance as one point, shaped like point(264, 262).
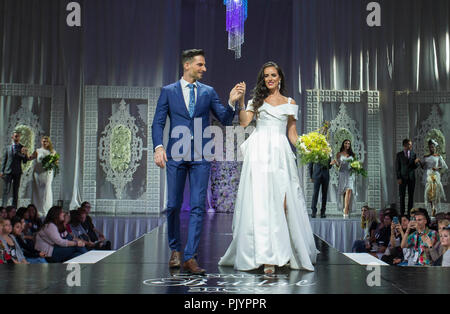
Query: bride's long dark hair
point(261, 92)
point(350, 150)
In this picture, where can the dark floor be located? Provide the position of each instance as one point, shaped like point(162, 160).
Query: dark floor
point(141, 267)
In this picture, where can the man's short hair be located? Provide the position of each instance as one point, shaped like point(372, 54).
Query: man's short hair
point(423, 212)
point(406, 141)
point(83, 205)
point(188, 55)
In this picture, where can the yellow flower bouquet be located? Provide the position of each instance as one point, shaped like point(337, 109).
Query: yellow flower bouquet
point(313, 148)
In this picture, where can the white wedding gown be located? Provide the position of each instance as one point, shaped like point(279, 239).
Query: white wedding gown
point(262, 232)
point(42, 196)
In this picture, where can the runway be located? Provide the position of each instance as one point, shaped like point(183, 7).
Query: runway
point(141, 268)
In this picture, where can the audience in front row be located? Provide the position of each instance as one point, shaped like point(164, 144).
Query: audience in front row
point(399, 241)
point(26, 239)
point(50, 241)
point(419, 237)
point(27, 246)
point(10, 246)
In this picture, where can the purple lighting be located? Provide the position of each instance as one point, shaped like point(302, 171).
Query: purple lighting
point(236, 16)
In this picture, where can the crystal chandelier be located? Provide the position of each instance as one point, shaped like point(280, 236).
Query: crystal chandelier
point(236, 16)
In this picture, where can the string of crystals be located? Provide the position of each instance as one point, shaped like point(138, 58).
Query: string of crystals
point(236, 16)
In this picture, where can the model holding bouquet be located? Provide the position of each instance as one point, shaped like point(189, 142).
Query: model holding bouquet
point(270, 224)
point(346, 186)
point(45, 167)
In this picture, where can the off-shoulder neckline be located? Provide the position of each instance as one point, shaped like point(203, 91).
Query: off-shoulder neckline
point(288, 103)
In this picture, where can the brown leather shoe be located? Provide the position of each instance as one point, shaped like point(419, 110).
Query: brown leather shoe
point(192, 267)
point(175, 260)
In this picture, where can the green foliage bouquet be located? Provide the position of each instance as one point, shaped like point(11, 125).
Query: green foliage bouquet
point(50, 162)
point(357, 167)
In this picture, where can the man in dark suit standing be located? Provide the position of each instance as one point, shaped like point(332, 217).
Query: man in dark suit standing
point(320, 176)
point(11, 170)
point(406, 164)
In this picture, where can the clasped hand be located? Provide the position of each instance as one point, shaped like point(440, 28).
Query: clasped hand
point(238, 92)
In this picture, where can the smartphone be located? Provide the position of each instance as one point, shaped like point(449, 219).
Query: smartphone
point(395, 220)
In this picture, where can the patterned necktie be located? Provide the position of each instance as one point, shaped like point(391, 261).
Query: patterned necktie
point(191, 100)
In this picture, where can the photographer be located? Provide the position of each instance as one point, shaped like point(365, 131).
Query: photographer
point(421, 239)
point(394, 255)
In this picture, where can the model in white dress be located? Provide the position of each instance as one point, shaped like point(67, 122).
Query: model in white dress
point(42, 195)
point(433, 166)
point(263, 232)
point(346, 182)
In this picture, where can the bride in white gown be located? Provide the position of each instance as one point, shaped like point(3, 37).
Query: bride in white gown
point(42, 196)
point(270, 224)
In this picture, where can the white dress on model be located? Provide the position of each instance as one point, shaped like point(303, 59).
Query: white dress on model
point(262, 232)
point(346, 182)
point(429, 163)
point(42, 195)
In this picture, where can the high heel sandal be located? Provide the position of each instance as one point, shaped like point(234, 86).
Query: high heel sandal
point(269, 269)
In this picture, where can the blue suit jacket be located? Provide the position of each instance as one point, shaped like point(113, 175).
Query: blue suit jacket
point(171, 103)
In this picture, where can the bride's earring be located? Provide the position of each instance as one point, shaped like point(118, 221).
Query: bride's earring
point(279, 86)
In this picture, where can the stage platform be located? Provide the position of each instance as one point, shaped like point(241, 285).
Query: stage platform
point(120, 230)
point(141, 268)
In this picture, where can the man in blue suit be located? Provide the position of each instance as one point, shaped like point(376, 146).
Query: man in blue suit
point(188, 104)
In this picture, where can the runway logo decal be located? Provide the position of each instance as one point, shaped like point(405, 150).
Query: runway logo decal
point(74, 277)
point(231, 283)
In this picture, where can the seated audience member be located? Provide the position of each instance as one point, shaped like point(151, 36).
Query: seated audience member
point(445, 242)
point(11, 211)
point(394, 255)
point(391, 211)
point(34, 221)
point(3, 213)
point(9, 242)
point(78, 230)
point(5, 258)
point(49, 240)
point(369, 224)
point(67, 233)
point(420, 239)
point(32, 256)
point(94, 235)
point(435, 252)
point(100, 242)
point(22, 213)
point(383, 237)
point(89, 224)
